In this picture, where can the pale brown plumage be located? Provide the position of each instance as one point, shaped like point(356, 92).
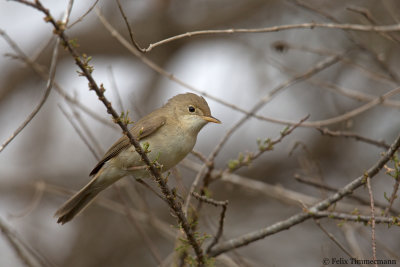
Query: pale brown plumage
point(177, 123)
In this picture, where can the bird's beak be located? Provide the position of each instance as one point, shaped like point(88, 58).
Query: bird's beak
point(211, 119)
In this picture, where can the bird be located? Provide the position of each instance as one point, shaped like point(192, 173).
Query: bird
point(169, 134)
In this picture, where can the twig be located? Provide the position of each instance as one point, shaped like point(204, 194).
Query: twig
point(29, 256)
point(78, 131)
point(311, 25)
point(351, 238)
point(264, 146)
point(40, 70)
point(199, 156)
point(326, 131)
point(396, 176)
point(163, 228)
point(334, 189)
point(15, 244)
point(115, 88)
point(367, 14)
point(39, 189)
point(49, 85)
point(84, 15)
point(87, 131)
point(356, 217)
point(332, 237)
point(153, 249)
point(383, 65)
point(170, 76)
point(278, 192)
point(210, 201)
point(265, 99)
point(155, 172)
point(224, 205)
point(137, 46)
point(372, 219)
point(300, 217)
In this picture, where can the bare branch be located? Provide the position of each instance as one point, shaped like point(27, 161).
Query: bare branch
point(326, 131)
point(332, 237)
point(84, 15)
point(78, 131)
point(300, 217)
point(137, 46)
point(357, 217)
point(49, 85)
point(311, 25)
point(224, 205)
point(155, 172)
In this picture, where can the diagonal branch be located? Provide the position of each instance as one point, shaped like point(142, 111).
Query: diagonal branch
point(49, 86)
point(99, 90)
point(301, 217)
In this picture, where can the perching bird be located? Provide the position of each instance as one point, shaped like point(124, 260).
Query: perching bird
point(171, 133)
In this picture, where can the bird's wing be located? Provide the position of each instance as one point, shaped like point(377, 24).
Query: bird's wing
point(141, 129)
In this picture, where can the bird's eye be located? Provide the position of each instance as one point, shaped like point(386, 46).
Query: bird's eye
point(191, 109)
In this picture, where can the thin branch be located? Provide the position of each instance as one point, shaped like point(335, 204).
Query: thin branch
point(266, 145)
point(79, 132)
point(171, 76)
point(372, 220)
point(278, 192)
point(84, 15)
point(367, 14)
point(224, 205)
point(34, 202)
point(311, 25)
point(49, 85)
point(137, 46)
point(357, 217)
point(300, 217)
point(115, 88)
point(99, 90)
point(147, 240)
point(87, 131)
point(334, 189)
point(15, 244)
point(40, 70)
point(332, 237)
point(205, 171)
point(165, 229)
point(374, 55)
point(396, 176)
point(326, 131)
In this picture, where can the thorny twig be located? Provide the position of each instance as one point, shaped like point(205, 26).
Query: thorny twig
point(155, 172)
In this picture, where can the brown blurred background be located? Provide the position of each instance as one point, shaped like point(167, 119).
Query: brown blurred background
point(48, 161)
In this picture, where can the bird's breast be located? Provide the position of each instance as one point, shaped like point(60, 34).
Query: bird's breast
point(168, 146)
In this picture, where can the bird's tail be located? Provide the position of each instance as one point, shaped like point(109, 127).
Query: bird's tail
point(79, 201)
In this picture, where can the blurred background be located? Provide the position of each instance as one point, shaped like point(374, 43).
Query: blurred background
point(48, 160)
